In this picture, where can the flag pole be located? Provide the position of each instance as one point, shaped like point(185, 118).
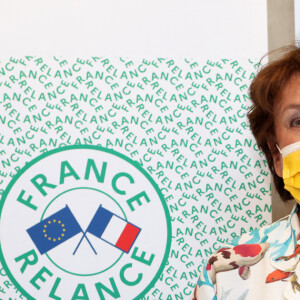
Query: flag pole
point(84, 236)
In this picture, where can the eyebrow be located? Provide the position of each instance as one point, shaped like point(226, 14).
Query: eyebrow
point(291, 106)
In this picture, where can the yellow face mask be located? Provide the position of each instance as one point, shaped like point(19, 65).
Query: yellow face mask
point(291, 169)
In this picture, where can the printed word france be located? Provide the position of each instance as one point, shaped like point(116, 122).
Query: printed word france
point(40, 182)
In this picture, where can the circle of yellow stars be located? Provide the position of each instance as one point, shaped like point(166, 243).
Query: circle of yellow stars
point(57, 238)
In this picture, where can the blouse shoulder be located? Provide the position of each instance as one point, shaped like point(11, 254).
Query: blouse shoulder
point(264, 234)
point(240, 253)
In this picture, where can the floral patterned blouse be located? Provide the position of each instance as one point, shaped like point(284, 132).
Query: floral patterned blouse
point(262, 264)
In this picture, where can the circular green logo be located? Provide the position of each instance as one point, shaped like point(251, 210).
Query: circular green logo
point(84, 222)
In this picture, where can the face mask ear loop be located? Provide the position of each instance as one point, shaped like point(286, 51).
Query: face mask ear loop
point(278, 149)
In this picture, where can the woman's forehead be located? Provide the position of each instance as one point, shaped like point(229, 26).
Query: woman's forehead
point(289, 97)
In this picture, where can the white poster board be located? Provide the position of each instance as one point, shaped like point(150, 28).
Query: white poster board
point(165, 86)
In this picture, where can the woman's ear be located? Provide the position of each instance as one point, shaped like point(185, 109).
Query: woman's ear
point(277, 157)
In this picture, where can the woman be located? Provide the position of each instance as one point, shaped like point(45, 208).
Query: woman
point(264, 264)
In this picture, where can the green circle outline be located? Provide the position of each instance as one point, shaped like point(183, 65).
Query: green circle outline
point(111, 151)
point(88, 188)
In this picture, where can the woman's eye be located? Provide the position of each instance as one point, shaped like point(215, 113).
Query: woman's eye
point(295, 122)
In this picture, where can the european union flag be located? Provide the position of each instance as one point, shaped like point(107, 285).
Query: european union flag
point(54, 230)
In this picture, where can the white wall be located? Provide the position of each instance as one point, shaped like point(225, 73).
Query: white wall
point(136, 28)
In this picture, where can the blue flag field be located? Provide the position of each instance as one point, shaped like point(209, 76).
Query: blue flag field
point(54, 230)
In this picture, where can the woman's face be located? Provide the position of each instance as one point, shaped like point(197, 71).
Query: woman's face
point(287, 119)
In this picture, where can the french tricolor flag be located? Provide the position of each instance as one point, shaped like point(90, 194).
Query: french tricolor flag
point(113, 229)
